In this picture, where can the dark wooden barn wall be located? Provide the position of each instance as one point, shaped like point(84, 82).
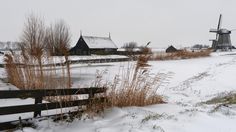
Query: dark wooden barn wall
point(81, 48)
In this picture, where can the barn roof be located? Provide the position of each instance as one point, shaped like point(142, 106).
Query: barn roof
point(99, 42)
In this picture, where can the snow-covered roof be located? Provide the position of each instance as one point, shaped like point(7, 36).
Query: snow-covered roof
point(99, 42)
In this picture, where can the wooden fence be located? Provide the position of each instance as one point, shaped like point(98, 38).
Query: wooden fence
point(38, 106)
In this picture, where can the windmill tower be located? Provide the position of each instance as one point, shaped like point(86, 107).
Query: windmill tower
point(222, 41)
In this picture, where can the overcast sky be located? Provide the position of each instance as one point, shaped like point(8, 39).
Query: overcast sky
point(163, 22)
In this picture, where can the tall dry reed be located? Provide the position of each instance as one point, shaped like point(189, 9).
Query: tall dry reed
point(24, 72)
point(135, 86)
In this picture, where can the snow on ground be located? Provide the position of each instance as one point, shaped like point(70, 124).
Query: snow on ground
point(192, 81)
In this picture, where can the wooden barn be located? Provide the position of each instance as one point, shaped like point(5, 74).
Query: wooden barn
point(171, 49)
point(88, 45)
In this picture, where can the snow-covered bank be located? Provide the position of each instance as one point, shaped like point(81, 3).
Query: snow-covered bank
point(61, 59)
point(191, 82)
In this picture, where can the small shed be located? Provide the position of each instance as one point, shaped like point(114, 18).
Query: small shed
point(88, 45)
point(171, 49)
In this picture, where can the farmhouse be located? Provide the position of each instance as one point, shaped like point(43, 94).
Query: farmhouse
point(171, 49)
point(88, 45)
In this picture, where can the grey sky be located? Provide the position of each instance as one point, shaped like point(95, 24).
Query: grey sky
point(163, 22)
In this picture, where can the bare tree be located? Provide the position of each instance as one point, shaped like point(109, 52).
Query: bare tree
point(32, 39)
point(58, 38)
point(130, 46)
point(58, 42)
point(50, 41)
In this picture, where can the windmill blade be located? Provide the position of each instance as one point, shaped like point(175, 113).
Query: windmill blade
point(219, 23)
point(212, 40)
point(213, 30)
point(233, 30)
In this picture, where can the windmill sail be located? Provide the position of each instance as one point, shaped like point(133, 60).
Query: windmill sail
point(219, 22)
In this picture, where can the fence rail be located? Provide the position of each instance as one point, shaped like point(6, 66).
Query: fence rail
point(48, 92)
point(38, 106)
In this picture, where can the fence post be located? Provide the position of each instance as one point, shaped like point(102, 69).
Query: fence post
point(38, 100)
point(20, 124)
point(91, 94)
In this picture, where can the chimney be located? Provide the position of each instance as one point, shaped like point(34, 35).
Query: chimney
point(109, 35)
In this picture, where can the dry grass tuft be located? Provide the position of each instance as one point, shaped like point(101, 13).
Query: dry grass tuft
point(24, 72)
point(136, 86)
point(138, 92)
point(182, 54)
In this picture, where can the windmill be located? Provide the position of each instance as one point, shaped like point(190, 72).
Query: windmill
point(222, 40)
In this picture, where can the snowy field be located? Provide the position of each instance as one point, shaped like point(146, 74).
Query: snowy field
point(191, 82)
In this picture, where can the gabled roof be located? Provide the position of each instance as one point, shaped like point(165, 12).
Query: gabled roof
point(99, 42)
point(171, 49)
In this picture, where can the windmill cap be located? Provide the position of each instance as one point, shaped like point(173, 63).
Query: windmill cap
point(224, 31)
